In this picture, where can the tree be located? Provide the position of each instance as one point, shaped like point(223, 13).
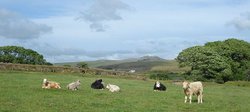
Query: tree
point(205, 64)
point(237, 54)
point(220, 61)
point(15, 54)
point(82, 65)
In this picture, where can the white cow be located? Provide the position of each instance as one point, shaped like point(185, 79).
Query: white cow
point(191, 89)
point(74, 85)
point(113, 88)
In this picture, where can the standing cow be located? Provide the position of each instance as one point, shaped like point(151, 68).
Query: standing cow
point(193, 88)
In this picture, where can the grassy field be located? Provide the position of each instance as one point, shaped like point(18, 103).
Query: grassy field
point(22, 92)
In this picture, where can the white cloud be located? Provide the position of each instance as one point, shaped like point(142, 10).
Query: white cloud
point(102, 11)
point(241, 23)
point(15, 26)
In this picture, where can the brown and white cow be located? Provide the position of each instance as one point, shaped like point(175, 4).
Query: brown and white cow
point(50, 84)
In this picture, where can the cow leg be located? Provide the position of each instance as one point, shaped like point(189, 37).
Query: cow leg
point(190, 98)
point(199, 97)
point(186, 99)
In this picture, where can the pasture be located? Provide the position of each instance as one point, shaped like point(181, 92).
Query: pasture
point(22, 92)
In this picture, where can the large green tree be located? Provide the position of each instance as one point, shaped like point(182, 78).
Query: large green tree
point(220, 61)
point(237, 54)
point(16, 54)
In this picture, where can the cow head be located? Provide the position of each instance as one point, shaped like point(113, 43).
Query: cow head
point(185, 84)
point(158, 84)
point(44, 80)
point(108, 86)
point(78, 81)
point(100, 80)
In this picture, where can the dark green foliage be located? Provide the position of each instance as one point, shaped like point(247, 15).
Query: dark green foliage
point(248, 75)
point(220, 61)
point(165, 76)
point(237, 54)
point(158, 76)
point(15, 54)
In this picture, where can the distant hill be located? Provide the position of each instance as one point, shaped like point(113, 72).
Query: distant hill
point(138, 66)
point(141, 64)
point(150, 58)
point(95, 64)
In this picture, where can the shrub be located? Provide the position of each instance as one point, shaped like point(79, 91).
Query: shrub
point(158, 76)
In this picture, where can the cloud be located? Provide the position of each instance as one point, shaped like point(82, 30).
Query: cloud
point(13, 25)
point(241, 23)
point(54, 53)
point(76, 54)
point(102, 11)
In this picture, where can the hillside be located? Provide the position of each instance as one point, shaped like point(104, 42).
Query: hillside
point(140, 65)
point(94, 64)
point(98, 63)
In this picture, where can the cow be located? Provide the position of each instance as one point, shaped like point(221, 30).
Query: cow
point(98, 84)
point(74, 85)
point(50, 84)
point(193, 88)
point(159, 86)
point(113, 88)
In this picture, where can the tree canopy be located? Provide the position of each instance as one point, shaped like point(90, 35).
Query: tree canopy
point(16, 54)
point(220, 60)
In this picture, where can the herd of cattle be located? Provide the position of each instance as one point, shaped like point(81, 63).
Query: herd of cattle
point(190, 88)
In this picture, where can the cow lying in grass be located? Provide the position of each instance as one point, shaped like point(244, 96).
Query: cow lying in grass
point(113, 88)
point(50, 84)
point(74, 85)
point(159, 86)
point(97, 84)
point(191, 89)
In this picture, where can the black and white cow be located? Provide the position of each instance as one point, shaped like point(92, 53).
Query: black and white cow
point(97, 84)
point(159, 86)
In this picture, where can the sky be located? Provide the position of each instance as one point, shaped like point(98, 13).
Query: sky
point(83, 30)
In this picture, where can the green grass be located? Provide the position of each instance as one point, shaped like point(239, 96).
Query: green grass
point(171, 66)
point(22, 92)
